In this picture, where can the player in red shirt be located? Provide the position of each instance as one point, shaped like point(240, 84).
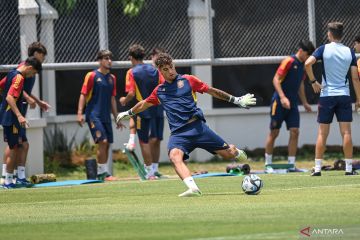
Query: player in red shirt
point(186, 120)
point(98, 94)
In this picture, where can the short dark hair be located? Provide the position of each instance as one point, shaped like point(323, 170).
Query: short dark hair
point(357, 38)
point(157, 50)
point(104, 53)
point(336, 29)
point(307, 46)
point(163, 59)
point(32, 61)
point(36, 47)
point(137, 51)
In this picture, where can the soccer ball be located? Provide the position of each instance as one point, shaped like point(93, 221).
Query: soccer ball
point(252, 184)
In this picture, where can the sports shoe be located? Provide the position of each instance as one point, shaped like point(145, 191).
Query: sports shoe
point(151, 177)
point(10, 186)
point(22, 182)
point(351, 173)
point(191, 193)
point(315, 174)
point(241, 155)
point(111, 178)
point(157, 174)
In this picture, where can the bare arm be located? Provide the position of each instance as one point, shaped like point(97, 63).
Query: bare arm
point(302, 97)
point(277, 85)
point(141, 106)
point(80, 118)
point(31, 101)
point(42, 104)
point(220, 94)
point(309, 71)
point(243, 101)
point(12, 103)
point(127, 98)
point(356, 84)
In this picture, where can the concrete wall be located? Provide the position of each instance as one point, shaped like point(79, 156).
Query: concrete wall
point(244, 128)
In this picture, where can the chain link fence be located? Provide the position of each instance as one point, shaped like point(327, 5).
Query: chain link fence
point(248, 28)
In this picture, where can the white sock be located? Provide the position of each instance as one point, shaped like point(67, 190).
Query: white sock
point(9, 178)
point(348, 167)
point(15, 173)
point(155, 167)
point(21, 172)
point(268, 159)
point(102, 168)
point(149, 170)
point(318, 165)
point(132, 138)
point(190, 183)
point(3, 170)
point(291, 160)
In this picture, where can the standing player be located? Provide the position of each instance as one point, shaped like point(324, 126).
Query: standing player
point(37, 50)
point(357, 50)
point(186, 120)
point(156, 125)
point(334, 93)
point(98, 94)
point(141, 80)
point(13, 121)
point(289, 84)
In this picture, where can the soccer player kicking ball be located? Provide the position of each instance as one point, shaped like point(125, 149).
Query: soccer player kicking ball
point(186, 120)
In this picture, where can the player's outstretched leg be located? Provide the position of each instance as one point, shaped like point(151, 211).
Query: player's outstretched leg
point(176, 157)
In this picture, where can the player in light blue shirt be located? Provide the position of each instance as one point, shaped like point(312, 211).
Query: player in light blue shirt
point(336, 60)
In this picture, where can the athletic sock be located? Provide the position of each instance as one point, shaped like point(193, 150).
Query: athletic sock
point(21, 172)
point(291, 160)
point(131, 138)
point(318, 165)
point(149, 170)
point(9, 178)
point(348, 167)
point(268, 159)
point(190, 183)
point(102, 168)
point(3, 170)
point(155, 167)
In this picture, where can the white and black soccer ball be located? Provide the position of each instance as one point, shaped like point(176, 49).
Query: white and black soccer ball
point(252, 184)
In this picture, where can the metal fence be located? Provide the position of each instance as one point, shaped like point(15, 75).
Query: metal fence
point(186, 28)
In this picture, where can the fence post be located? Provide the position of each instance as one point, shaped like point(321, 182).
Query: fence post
point(48, 14)
point(28, 9)
point(103, 26)
point(311, 17)
point(200, 45)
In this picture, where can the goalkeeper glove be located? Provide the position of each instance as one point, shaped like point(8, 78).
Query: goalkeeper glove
point(124, 116)
point(244, 101)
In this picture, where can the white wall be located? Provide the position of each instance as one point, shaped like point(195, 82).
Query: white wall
point(244, 128)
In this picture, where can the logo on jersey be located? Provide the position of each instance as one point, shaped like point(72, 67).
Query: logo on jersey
point(98, 80)
point(180, 84)
point(295, 67)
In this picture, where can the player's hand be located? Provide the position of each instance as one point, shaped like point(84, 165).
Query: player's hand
point(357, 106)
point(23, 122)
point(307, 107)
point(122, 101)
point(245, 101)
point(123, 116)
point(80, 119)
point(120, 126)
point(316, 87)
point(44, 106)
point(285, 102)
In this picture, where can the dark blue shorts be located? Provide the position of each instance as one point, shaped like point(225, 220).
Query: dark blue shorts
point(157, 128)
point(279, 115)
point(142, 128)
point(338, 105)
point(100, 131)
point(14, 135)
point(196, 135)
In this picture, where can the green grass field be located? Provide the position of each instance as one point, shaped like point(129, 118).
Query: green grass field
point(152, 210)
